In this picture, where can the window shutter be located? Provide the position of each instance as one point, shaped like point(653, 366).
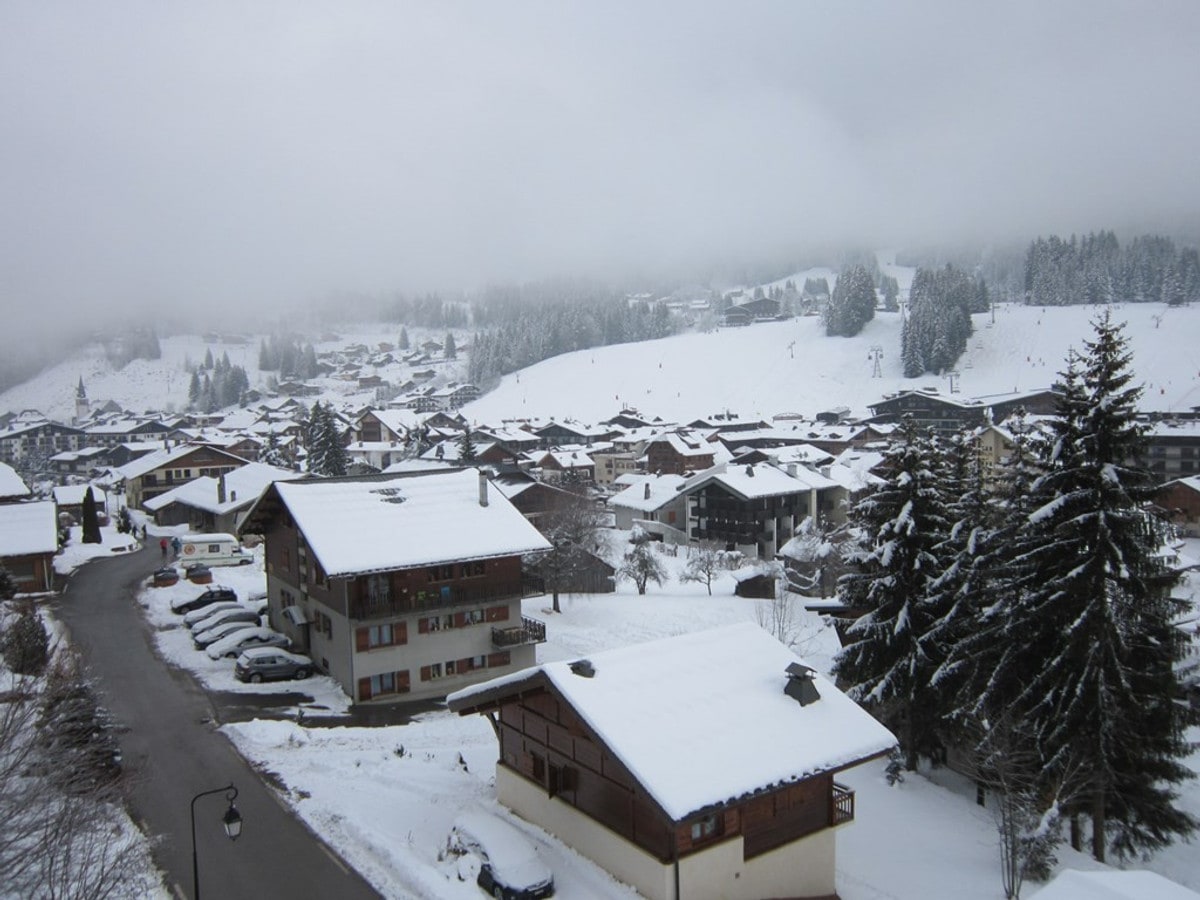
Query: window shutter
point(499, 659)
point(402, 682)
point(423, 626)
point(362, 640)
point(460, 619)
point(497, 614)
point(400, 633)
point(424, 673)
point(364, 689)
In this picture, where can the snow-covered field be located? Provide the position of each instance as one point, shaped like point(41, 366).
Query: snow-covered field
point(385, 797)
point(792, 367)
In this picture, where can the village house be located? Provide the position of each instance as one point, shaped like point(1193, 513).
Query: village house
point(1173, 448)
point(79, 462)
point(678, 453)
point(28, 542)
point(681, 777)
point(24, 440)
point(215, 505)
point(399, 586)
point(652, 501)
point(158, 472)
point(124, 431)
point(69, 499)
point(12, 486)
point(1179, 500)
point(567, 465)
point(756, 508)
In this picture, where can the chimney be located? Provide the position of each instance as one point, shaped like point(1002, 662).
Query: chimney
point(791, 469)
point(221, 488)
point(233, 496)
point(646, 492)
point(800, 686)
point(483, 489)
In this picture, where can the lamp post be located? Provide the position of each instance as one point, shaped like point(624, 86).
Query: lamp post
point(231, 822)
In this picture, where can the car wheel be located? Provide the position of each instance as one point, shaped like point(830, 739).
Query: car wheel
point(256, 678)
point(301, 674)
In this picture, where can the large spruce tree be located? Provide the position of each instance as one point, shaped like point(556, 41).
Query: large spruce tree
point(887, 665)
point(1083, 619)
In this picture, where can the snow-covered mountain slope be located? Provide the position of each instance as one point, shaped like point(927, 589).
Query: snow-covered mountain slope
point(772, 368)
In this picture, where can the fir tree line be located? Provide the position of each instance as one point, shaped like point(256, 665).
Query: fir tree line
point(288, 357)
point(938, 323)
point(852, 304)
point(217, 384)
point(527, 330)
point(1097, 269)
point(323, 441)
point(1031, 609)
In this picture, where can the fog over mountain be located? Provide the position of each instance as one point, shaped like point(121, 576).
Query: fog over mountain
point(227, 158)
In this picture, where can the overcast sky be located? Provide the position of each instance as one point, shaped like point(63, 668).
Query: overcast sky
point(245, 154)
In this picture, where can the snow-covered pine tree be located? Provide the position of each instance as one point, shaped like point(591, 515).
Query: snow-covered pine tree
point(905, 522)
point(1086, 620)
point(466, 447)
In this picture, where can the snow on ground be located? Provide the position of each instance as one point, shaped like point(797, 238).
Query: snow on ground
point(75, 553)
point(385, 798)
point(174, 640)
point(770, 368)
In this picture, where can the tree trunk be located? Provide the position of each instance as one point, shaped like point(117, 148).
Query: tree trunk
point(556, 609)
point(1076, 833)
point(1098, 827)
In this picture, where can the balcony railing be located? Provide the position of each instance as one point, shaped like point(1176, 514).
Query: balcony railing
point(841, 805)
point(530, 631)
point(431, 600)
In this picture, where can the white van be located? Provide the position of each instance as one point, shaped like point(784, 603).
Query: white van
point(213, 550)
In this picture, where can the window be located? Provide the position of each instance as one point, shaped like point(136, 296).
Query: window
point(431, 672)
point(705, 828)
point(372, 637)
point(325, 625)
point(450, 667)
point(286, 598)
point(318, 573)
point(471, 570)
point(440, 573)
point(385, 683)
point(379, 636)
point(379, 589)
point(287, 559)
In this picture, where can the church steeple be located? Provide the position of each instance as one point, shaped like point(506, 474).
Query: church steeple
point(81, 401)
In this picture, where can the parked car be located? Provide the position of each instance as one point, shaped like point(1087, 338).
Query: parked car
point(509, 867)
point(233, 645)
point(237, 613)
point(214, 594)
point(214, 634)
point(204, 612)
point(269, 664)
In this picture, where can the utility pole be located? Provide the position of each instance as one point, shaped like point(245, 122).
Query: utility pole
point(875, 354)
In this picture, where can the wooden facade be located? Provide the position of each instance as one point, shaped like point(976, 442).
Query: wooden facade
point(547, 743)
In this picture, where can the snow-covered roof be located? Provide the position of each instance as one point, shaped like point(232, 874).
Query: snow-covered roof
point(684, 445)
point(1111, 884)
point(379, 524)
point(695, 734)
point(151, 461)
point(242, 487)
point(28, 528)
point(760, 480)
point(662, 490)
point(72, 495)
point(11, 484)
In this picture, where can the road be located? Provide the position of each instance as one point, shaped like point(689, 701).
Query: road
point(173, 751)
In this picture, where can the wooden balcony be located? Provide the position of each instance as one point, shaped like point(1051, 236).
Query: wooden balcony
point(368, 607)
point(841, 805)
point(530, 631)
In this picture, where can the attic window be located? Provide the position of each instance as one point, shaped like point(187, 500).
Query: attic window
point(583, 668)
point(800, 686)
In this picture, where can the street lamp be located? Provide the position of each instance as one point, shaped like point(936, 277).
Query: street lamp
point(231, 822)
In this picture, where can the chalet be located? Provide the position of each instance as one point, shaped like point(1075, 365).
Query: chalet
point(677, 453)
point(535, 499)
point(12, 486)
point(215, 505)
point(124, 431)
point(566, 466)
point(756, 508)
point(399, 586)
point(24, 440)
point(558, 434)
point(1180, 501)
point(680, 777)
point(579, 571)
point(390, 425)
point(1042, 402)
point(651, 499)
point(612, 464)
point(756, 582)
point(929, 409)
point(158, 472)
point(28, 542)
point(761, 310)
point(79, 462)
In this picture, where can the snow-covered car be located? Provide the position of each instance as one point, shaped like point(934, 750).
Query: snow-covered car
point(233, 645)
point(509, 866)
point(237, 613)
point(199, 615)
point(270, 664)
point(211, 635)
point(215, 594)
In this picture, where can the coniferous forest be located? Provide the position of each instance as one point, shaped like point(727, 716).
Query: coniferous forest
point(1022, 618)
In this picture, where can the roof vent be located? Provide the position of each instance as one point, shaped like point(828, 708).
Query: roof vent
point(800, 686)
point(749, 471)
point(583, 668)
